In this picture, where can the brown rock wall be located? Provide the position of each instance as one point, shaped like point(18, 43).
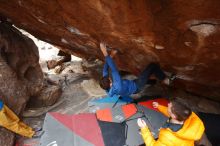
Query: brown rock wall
point(20, 74)
point(182, 35)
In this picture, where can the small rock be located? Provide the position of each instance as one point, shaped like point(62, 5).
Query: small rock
point(59, 69)
point(51, 64)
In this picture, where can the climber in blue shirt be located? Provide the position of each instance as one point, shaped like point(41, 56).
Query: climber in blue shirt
point(123, 87)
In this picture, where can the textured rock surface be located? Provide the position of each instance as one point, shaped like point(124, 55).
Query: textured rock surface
point(6, 137)
point(20, 74)
point(47, 97)
point(182, 35)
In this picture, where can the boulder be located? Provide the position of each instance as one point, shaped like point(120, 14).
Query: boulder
point(47, 97)
point(20, 74)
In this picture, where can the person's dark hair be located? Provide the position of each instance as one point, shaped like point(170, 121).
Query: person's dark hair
point(104, 83)
point(181, 111)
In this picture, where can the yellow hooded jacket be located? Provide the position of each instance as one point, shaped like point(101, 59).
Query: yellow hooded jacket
point(191, 131)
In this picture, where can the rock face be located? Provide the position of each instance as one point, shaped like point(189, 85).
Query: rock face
point(182, 35)
point(47, 97)
point(20, 74)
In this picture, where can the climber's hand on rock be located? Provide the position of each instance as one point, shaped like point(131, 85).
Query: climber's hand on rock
point(103, 49)
point(113, 53)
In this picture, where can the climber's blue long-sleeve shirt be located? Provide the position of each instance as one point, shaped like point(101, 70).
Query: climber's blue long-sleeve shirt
point(119, 86)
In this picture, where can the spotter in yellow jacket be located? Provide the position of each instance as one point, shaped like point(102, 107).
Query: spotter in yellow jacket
point(191, 129)
point(10, 121)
